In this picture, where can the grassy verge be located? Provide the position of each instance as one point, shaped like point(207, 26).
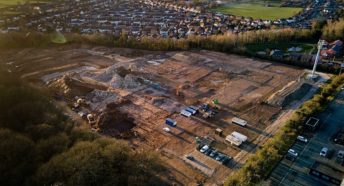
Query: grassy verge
point(259, 166)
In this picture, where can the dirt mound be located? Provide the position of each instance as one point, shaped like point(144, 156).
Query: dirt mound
point(68, 86)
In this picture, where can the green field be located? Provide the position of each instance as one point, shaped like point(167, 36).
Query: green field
point(4, 3)
point(308, 48)
point(257, 10)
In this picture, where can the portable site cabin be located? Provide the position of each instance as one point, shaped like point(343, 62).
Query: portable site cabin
point(240, 136)
point(239, 121)
point(185, 113)
point(233, 140)
point(170, 122)
point(192, 111)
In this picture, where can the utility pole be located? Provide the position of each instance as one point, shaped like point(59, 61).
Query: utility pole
point(320, 45)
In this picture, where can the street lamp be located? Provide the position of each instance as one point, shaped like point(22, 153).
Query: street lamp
point(320, 45)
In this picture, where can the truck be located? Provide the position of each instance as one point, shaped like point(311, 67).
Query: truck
point(239, 136)
point(239, 121)
point(185, 113)
point(233, 140)
point(170, 122)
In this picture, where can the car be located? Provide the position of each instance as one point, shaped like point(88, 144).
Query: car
point(340, 154)
point(208, 152)
point(204, 148)
point(225, 160)
point(302, 139)
point(213, 154)
point(190, 157)
point(323, 152)
point(292, 152)
point(290, 157)
point(166, 129)
point(219, 157)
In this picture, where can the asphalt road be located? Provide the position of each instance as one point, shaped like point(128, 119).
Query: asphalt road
point(290, 173)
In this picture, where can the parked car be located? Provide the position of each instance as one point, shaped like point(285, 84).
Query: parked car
point(225, 160)
point(292, 152)
point(340, 154)
point(290, 157)
point(166, 129)
point(302, 139)
point(324, 152)
point(219, 157)
point(208, 152)
point(190, 157)
point(213, 154)
point(204, 148)
point(340, 157)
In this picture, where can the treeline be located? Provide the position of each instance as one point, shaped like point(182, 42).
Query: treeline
point(224, 43)
point(259, 166)
point(334, 30)
point(40, 146)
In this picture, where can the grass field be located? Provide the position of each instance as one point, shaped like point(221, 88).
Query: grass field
point(257, 10)
point(4, 3)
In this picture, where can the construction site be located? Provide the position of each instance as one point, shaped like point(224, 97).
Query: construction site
point(129, 94)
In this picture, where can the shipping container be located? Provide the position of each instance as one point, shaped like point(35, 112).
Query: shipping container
point(171, 122)
point(239, 121)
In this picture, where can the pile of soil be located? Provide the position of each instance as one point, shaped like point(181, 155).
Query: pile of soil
point(115, 123)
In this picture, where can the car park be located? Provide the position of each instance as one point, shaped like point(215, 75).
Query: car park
point(323, 152)
point(302, 139)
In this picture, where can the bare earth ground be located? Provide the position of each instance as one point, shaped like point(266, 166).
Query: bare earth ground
point(132, 92)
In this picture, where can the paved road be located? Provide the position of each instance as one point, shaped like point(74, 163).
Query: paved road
point(296, 173)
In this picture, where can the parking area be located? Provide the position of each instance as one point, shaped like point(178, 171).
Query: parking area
point(296, 172)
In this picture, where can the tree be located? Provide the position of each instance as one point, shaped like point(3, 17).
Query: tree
point(17, 158)
point(101, 162)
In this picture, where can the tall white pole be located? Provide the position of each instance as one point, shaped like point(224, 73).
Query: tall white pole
point(320, 45)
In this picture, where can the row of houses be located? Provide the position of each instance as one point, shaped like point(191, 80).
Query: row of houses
point(138, 18)
point(331, 54)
